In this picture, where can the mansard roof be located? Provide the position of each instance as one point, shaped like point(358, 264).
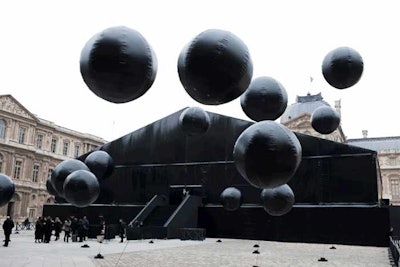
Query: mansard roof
point(304, 105)
point(377, 143)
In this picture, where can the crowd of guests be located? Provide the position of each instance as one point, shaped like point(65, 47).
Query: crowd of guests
point(73, 228)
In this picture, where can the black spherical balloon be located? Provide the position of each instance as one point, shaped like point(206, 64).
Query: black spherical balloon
point(194, 121)
point(277, 201)
point(81, 188)
point(265, 99)
point(7, 189)
point(215, 67)
point(118, 64)
point(231, 198)
point(62, 170)
point(342, 67)
point(100, 164)
point(267, 154)
point(50, 188)
point(325, 120)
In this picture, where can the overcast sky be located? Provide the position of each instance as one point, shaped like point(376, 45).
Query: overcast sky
point(41, 42)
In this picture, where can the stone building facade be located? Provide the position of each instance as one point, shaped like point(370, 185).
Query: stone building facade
point(30, 148)
point(297, 117)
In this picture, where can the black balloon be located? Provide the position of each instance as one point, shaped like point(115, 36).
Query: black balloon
point(267, 154)
point(325, 120)
point(118, 64)
point(231, 198)
point(265, 99)
point(342, 67)
point(277, 201)
point(215, 67)
point(100, 164)
point(194, 121)
point(81, 188)
point(7, 189)
point(62, 170)
point(50, 188)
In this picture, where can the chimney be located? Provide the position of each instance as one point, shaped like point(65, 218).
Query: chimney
point(365, 133)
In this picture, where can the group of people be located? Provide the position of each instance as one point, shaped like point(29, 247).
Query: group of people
point(74, 228)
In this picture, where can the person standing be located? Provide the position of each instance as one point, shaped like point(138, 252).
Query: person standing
point(122, 228)
point(85, 227)
point(57, 228)
point(67, 230)
point(8, 225)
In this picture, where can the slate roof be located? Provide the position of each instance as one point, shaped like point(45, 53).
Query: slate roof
point(377, 143)
point(304, 105)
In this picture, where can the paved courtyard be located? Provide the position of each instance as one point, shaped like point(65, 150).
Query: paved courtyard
point(23, 251)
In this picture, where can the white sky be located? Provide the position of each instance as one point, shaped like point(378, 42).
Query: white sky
point(41, 42)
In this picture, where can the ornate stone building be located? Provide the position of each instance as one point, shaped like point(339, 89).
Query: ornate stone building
point(297, 117)
point(30, 147)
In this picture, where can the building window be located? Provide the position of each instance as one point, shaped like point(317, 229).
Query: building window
point(395, 186)
point(49, 173)
point(1, 163)
point(65, 148)
point(17, 169)
point(35, 173)
point(392, 161)
point(32, 214)
point(39, 141)
point(2, 129)
point(76, 151)
point(21, 135)
point(53, 145)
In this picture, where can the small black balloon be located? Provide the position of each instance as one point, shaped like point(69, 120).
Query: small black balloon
point(7, 189)
point(81, 188)
point(215, 67)
point(194, 121)
point(118, 64)
point(265, 99)
point(277, 201)
point(267, 154)
point(50, 188)
point(231, 198)
point(100, 164)
point(62, 170)
point(325, 120)
point(342, 67)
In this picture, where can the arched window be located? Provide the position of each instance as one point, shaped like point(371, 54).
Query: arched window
point(395, 186)
point(2, 129)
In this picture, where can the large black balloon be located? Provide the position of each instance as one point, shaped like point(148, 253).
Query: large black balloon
point(194, 121)
point(118, 64)
point(100, 164)
point(267, 154)
point(342, 67)
point(215, 67)
point(7, 189)
point(265, 99)
point(231, 198)
point(325, 120)
point(277, 201)
point(62, 170)
point(50, 188)
point(81, 188)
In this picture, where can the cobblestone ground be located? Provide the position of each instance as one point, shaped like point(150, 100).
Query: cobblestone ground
point(237, 253)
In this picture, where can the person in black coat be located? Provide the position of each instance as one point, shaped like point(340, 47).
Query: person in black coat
point(8, 225)
point(39, 230)
point(122, 229)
